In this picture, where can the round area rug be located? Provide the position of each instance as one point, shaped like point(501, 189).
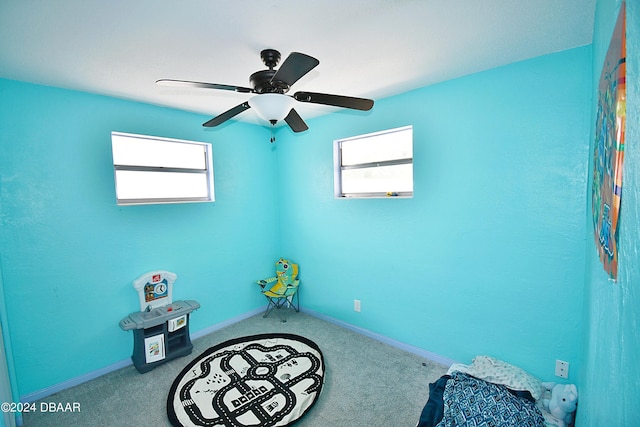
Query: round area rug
point(260, 380)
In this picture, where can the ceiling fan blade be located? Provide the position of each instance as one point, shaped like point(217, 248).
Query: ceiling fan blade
point(335, 100)
point(185, 83)
point(227, 115)
point(295, 122)
point(294, 67)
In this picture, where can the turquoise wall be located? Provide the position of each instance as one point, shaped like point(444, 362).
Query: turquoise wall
point(69, 253)
point(610, 380)
point(8, 390)
point(488, 256)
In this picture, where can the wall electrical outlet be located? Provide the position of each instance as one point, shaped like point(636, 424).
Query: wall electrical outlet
point(562, 369)
point(356, 305)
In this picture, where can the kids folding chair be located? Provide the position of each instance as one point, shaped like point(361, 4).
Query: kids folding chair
point(282, 289)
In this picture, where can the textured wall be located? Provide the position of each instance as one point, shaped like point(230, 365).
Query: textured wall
point(488, 257)
point(610, 379)
point(69, 253)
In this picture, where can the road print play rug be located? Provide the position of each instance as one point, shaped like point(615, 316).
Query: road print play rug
point(260, 380)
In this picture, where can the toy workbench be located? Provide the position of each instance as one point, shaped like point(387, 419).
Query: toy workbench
point(161, 327)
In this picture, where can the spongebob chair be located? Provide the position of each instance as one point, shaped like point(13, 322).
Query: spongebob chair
point(282, 289)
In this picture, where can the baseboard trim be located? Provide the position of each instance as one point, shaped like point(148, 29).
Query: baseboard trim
point(384, 339)
point(45, 392)
point(228, 322)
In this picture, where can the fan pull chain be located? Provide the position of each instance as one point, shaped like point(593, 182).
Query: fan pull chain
point(273, 136)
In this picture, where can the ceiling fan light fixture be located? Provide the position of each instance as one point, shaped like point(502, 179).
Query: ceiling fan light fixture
point(272, 107)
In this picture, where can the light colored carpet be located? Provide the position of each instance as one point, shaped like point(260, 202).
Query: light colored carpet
point(367, 383)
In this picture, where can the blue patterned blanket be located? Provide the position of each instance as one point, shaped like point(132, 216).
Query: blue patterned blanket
point(471, 402)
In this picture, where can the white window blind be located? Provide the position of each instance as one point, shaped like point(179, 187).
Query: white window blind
point(160, 170)
point(375, 165)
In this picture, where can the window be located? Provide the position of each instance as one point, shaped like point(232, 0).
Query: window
point(158, 170)
point(375, 165)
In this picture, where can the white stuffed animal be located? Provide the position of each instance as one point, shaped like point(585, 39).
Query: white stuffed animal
point(563, 402)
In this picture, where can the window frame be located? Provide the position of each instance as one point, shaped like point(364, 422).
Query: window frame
point(339, 167)
point(207, 171)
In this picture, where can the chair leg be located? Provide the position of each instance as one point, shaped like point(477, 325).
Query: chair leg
point(279, 303)
point(270, 306)
point(282, 303)
point(295, 306)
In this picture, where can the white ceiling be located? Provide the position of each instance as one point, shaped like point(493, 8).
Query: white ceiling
point(366, 48)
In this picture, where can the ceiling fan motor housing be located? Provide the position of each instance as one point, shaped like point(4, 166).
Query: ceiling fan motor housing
point(261, 82)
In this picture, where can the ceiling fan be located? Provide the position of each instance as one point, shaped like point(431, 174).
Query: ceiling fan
point(270, 87)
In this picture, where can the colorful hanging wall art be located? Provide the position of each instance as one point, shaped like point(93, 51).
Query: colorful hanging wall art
point(608, 153)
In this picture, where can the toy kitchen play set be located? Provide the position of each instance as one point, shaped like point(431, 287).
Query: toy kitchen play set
point(161, 327)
